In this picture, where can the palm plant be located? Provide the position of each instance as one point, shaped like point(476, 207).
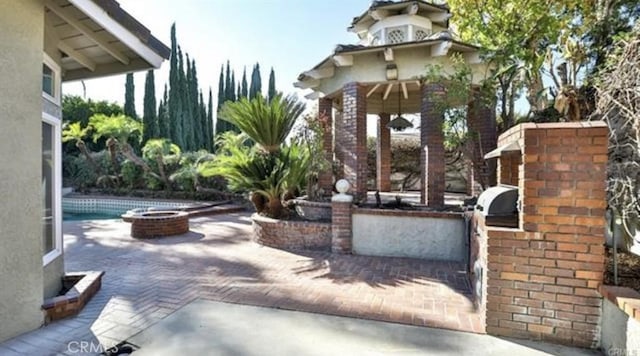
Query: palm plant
point(75, 132)
point(191, 166)
point(119, 130)
point(156, 150)
point(266, 122)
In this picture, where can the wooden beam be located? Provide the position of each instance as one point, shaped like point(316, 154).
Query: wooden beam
point(412, 9)
point(67, 16)
point(320, 73)
point(343, 60)
point(418, 84)
point(386, 92)
point(379, 14)
point(307, 84)
point(103, 70)
point(441, 49)
point(53, 35)
point(388, 54)
point(375, 87)
point(439, 16)
point(404, 90)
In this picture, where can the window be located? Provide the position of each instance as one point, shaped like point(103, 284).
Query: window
point(396, 35)
point(50, 80)
point(51, 189)
point(421, 34)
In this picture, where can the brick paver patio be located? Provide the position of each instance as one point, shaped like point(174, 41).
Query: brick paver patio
point(147, 280)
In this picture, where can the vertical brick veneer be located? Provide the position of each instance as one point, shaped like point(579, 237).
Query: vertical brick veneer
point(352, 138)
point(325, 116)
point(341, 226)
point(509, 167)
point(383, 154)
point(481, 121)
point(543, 278)
point(432, 142)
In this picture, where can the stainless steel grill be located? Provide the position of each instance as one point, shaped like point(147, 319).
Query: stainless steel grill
point(499, 205)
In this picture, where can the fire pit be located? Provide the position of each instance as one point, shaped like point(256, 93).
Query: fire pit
point(152, 224)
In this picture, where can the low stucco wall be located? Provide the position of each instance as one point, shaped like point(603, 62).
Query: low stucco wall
point(620, 333)
point(426, 235)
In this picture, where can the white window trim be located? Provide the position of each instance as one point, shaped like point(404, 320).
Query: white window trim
point(57, 188)
point(57, 80)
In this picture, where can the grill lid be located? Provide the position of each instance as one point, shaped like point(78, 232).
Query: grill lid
point(501, 200)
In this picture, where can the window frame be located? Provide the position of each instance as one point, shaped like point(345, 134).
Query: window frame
point(56, 124)
point(57, 79)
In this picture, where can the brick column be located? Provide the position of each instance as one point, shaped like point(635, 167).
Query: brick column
point(383, 154)
point(351, 138)
point(432, 142)
point(481, 121)
point(325, 116)
point(341, 223)
point(543, 279)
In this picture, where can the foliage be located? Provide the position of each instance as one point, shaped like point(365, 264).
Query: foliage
point(619, 106)
point(272, 92)
point(131, 174)
point(255, 89)
point(191, 165)
point(266, 123)
point(129, 97)
point(150, 118)
point(120, 127)
point(309, 136)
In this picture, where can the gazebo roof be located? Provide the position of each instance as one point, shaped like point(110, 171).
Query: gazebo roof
point(381, 9)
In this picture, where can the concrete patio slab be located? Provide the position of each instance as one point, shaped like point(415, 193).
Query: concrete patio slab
point(215, 328)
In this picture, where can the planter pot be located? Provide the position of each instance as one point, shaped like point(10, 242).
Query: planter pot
point(312, 210)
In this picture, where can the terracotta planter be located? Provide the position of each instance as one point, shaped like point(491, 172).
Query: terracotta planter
point(313, 210)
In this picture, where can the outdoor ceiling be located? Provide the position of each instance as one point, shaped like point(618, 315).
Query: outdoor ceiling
point(92, 41)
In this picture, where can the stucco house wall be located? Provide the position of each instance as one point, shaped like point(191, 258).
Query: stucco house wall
point(21, 294)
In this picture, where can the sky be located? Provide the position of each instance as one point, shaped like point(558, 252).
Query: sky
point(289, 35)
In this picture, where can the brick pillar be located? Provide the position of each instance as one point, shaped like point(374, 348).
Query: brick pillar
point(432, 154)
point(351, 138)
point(341, 223)
point(325, 116)
point(383, 154)
point(481, 121)
point(543, 279)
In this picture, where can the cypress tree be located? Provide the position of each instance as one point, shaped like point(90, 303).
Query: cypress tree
point(150, 120)
point(233, 87)
point(202, 109)
point(272, 85)
point(210, 133)
point(175, 98)
point(228, 88)
point(187, 115)
point(129, 97)
point(256, 82)
point(198, 130)
point(221, 89)
point(164, 127)
point(244, 88)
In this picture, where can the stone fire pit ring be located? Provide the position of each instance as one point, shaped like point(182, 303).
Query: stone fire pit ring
point(152, 224)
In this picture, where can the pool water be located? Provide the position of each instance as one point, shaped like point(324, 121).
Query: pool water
point(89, 216)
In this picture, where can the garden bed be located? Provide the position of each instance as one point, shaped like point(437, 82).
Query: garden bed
point(628, 270)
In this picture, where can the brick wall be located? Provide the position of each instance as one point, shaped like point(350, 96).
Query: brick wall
point(292, 235)
point(351, 138)
point(543, 278)
point(383, 154)
point(325, 116)
point(154, 224)
point(432, 155)
point(509, 167)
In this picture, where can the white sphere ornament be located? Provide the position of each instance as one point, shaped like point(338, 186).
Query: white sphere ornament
point(343, 186)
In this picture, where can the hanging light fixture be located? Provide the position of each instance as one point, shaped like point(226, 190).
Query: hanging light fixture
point(399, 123)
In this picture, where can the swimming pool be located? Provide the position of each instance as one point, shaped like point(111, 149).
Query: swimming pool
point(88, 216)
